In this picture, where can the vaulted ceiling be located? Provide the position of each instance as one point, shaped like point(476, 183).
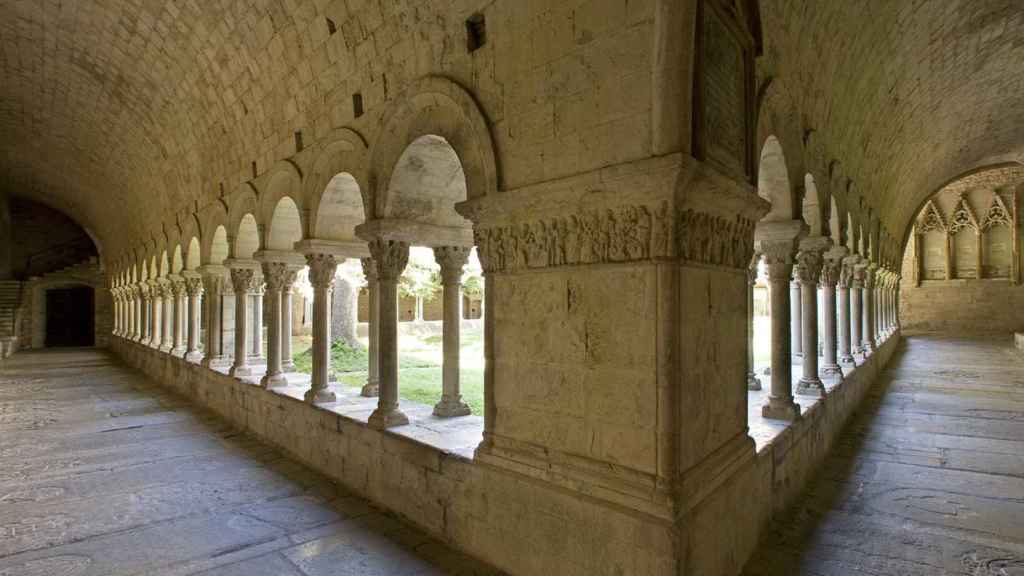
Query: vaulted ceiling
point(906, 94)
point(121, 111)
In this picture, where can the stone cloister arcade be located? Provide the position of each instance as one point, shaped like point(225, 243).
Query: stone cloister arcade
point(255, 244)
point(630, 175)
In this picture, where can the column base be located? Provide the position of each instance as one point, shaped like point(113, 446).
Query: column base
point(178, 351)
point(834, 370)
point(194, 356)
point(753, 382)
point(781, 409)
point(383, 419)
point(288, 366)
point(811, 387)
point(243, 371)
point(323, 396)
point(846, 359)
point(370, 390)
point(273, 381)
point(450, 408)
point(165, 348)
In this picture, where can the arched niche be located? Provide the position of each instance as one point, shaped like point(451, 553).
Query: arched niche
point(247, 238)
point(285, 228)
point(339, 209)
point(177, 262)
point(192, 254)
point(773, 182)
point(426, 184)
point(283, 182)
point(219, 245)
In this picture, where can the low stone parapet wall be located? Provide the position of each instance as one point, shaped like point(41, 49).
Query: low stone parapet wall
point(517, 521)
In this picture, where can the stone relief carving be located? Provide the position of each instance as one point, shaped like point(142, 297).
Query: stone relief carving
point(391, 257)
point(997, 214)
point(321, 270)
point(194, 286)
point(810, 268)
point(963, 217)
point(931, 219)
point(624, 234)
point(243, 280)
point(274, 273)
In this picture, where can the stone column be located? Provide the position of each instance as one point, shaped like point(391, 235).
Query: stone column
point(156, 319)
point(846, 346)
point(391, 257)
point(753, 382)
point(809, 270)
point(452, 260)
point(796, 322)
point(322, 268)
point(287, 363)
point(372, 387)
point(778, 257)
point(830, 279)
point(243, 278)
point(275, 274)
point(870, 343)
point(167, 324)
point(141, 295)
point(256, 299)
point(178, 327)
point(194, 291)
point(857, 308)
point(145, 309)
point(213, 286)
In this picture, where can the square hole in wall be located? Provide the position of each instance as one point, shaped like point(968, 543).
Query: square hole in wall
point(476, 32)
point(357, 105)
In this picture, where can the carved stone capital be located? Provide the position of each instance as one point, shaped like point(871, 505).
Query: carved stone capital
point(243, 280)
point(391, 257)
point(194, 286)
point(178, 287)
point(369, 269)
point(810, 264)
point(452, 260)
point(779, 257)
point(275, 274)
point(831, 271)
point(321, 270)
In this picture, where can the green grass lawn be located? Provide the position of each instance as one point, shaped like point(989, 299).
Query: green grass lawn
point(419, 361)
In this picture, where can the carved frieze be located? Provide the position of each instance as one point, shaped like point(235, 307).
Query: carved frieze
point(623, 234)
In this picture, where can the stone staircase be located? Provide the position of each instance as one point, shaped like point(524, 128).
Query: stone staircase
point(10, 305)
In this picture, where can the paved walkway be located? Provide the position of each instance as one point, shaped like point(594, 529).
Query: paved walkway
point(928, 480)
point(103, 473)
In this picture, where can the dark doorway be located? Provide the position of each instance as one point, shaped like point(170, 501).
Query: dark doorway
point(69, 317)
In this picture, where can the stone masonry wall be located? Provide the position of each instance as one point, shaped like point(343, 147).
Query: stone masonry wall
point(960, 306)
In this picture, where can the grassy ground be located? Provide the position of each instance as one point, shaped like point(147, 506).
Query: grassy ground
point(419, 361)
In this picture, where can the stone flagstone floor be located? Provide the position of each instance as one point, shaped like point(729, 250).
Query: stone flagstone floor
point(927, 481)
point(104, 473)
